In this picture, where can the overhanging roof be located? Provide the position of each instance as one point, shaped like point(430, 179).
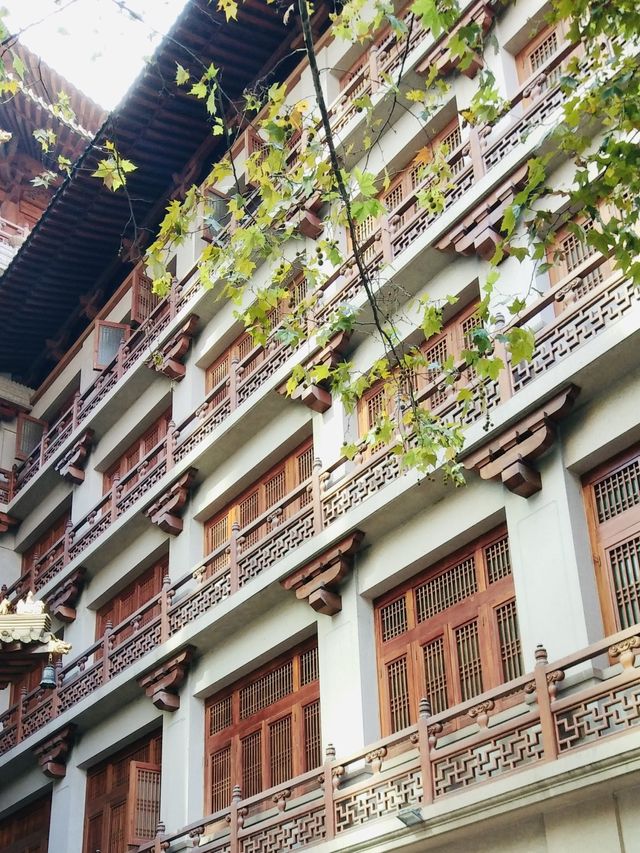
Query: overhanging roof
point(73, 250)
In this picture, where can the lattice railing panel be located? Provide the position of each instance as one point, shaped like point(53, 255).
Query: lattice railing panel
point(293, 833)
point(382, 798)
point(590, 721)
point(276, 546)
point(487, 760)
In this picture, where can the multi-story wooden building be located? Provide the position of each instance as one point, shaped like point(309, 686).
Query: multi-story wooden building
point(276, 647)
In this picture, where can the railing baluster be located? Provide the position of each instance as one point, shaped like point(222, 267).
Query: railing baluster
point(106, 642)
point(113, 503)
point(234, 578)
point(424, 747)
point(547, 724)
point(475, 152)
point(164, 608)
point(171, 443)
point(316, 495)
point(328, 791)
point(233, 383)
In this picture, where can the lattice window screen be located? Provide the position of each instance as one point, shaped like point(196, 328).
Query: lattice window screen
point(221, 779)
point(266, 690)
point(509, 635)
point(498, 560)
point(144, 801)
point(624, 562)
point(435, 675)
point(393, 619)
point(469, 665)
point(446, 589)
point(398, 687)
point(618, 492)
point(251, 748)
point(312, 750)
point(280, 750)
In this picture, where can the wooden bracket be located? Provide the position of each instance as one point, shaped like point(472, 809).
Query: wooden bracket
point(7, 521)
point(62, 600)
point(317, 396)
point(71, 466)
point(479, 232)
point(317, 582)
point(445, 60)
point(509, 456)
point(309, 225)
point(163, 683)
point(170, 359)
point(53, 753)
point(166, 512)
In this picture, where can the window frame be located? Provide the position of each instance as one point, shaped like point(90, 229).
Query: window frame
point(481, 606)
point(101, 324)
point(20, 454)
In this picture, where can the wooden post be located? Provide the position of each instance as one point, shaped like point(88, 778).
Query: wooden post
point(173, 297)
point(158, 842)
point(236, 819)
point(20, 713)
point(43, 447)
point(475, 151)
point(385, 238)
point(75, 410)
point(67, 542)
point(424, 748)
point(171, 443)
point(233, 557)
point(505, 386)
point(165, 601)
point(120, 360)
point(547, 724)
point(316, 495)
point(373, 67)
point(113, 503)
point(233, 383)
point(105, 651)
point(328, 787)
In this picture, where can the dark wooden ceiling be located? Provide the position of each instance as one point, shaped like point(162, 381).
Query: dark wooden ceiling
point(74, 249)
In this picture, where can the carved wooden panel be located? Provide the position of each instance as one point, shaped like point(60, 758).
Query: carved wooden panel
point(377, 800)
point(487, 760)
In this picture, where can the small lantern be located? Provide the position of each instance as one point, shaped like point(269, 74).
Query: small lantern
point(48, 680)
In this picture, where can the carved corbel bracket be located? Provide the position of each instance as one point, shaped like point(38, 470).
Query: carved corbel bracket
point(62, 600)
point(317, 396)
point(479, 232)
point(318, 581)
point(166, 512)
point(445, 60)
point(170, 359)
point(53, 753)
point(309, 225)
point(7, 521)
point(510, 455)
point(71, 466)
point(163, 682)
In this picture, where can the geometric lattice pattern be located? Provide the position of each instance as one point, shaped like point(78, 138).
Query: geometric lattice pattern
point(293, 833)
point(587, 722)
point(487, 760)
point(377, 800)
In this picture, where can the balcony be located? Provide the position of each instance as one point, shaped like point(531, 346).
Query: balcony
point(314, 506)
point(557, 710)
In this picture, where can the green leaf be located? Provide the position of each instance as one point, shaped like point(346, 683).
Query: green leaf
point(182, 75)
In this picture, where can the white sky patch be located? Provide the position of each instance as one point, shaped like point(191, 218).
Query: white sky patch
point(93, 43)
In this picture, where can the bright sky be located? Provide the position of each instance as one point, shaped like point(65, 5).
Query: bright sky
point(93, 43)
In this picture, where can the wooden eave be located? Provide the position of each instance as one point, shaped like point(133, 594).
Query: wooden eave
point(74, 248)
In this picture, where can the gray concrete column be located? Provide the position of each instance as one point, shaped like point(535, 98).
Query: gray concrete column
point(553, 571)
point(348, 683)
point(182, 792)
point(66, 828)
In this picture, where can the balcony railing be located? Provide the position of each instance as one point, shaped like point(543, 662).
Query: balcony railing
point(503, 732)
point(83, 404)
point(307, 510)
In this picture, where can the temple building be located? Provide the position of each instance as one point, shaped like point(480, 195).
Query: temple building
point(275, 647)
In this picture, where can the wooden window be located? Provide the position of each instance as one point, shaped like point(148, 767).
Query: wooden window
point(50, 543)
point(448, 634)
point(108, 337)
point(567, 253)
point(276, 484)
point(136, 452)
point(29, 435)
point(27, 830)
point(143, 300)
point(385, 397)
point(217, 215)
point(134, 596)
point(123, 798)
point(265, 729)
point(538, 52)
point(612, 494)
